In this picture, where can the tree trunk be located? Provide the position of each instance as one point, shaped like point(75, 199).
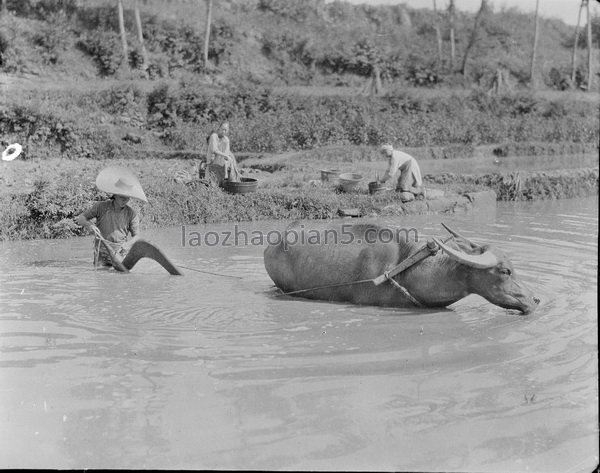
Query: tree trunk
point(535, 40)
point(140, 34)
point(463, 69)
point(451, 11)
point(377, 80)
point(207, 33)
point(123, 34)
point(573, 57)
point(3, 8)
point(373, 85)
point(438, 33)
point(589, 45)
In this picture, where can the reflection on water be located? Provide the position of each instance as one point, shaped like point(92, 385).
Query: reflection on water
point(101, 369)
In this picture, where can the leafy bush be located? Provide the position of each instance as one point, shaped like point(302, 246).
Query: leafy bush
point(121, 98)
point(421, 74)
point(265, 121)
point(38, 127)
point(104, 48)
point(46, 212)
point(51, 41)
point(41, 9)
point(293, 9)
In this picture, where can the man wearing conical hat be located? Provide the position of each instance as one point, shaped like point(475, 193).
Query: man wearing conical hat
point(410, 182)
point(114, 219)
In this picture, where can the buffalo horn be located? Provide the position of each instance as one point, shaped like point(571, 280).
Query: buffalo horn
point(458, 235)
point(482, 261)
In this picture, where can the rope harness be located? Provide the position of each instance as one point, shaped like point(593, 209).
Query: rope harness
point(403, 290)
point(430, 249)
point(110, 245)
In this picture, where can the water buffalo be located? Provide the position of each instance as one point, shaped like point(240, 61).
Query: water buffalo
point(326, 263)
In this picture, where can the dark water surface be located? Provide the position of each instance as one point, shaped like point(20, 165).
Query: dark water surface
point(147, 370)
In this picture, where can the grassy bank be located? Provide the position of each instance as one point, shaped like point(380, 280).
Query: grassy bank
point(555, 184)
point(40, 199)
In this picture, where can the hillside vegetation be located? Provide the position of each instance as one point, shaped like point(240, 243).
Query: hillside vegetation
point(284, 42)
point(288, 74)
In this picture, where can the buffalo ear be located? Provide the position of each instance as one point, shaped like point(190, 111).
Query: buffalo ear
point(485, 260)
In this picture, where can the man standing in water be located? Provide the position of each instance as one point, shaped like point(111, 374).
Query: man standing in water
point(410, 182)
point(114, 218)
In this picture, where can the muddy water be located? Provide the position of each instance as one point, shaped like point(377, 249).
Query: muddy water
point(146, 370)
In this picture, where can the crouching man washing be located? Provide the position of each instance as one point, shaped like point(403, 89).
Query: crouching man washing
point(410, 182)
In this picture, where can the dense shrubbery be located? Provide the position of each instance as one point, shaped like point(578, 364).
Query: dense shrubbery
point(46, 212)
point(104, 48)
point(41, 9)
point(38, 127)
point(263, 121)
point(121, 99)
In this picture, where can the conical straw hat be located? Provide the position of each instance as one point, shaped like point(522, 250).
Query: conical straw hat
point(120, 181)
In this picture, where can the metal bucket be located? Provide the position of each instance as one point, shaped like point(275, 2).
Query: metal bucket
point(246, 186)
point(376, 187)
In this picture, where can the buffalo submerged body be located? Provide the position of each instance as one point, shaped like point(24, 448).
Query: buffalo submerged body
point(345, 270)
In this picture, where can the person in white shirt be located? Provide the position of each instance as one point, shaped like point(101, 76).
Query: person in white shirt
point(410, 182)
point(220, 161)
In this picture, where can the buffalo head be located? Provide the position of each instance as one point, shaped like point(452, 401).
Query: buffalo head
point(489, 273)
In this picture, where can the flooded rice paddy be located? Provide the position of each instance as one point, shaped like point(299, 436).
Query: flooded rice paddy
point(216, 371)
